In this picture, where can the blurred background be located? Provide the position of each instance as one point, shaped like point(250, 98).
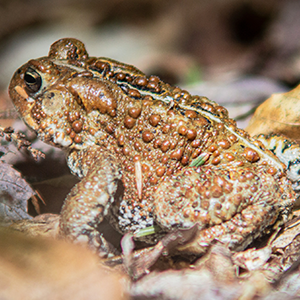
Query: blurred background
point(235, 52)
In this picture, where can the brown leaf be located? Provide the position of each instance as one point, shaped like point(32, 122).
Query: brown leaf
point(289, 283)
point(286, 251)
point(14, 193)
point(39, 268)
point(138, 263)
point(213, 278)
point(252, 259)
point(42, 225)
point(3, 150)
point(288, 233)
point(280, 253)
point(278, 114)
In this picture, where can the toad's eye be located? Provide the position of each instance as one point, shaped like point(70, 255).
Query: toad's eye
point(32, 80)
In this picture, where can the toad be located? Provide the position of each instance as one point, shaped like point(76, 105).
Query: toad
point(150, 156)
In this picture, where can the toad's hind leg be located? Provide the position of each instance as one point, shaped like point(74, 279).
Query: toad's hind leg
point(89, 202)
point(232, 205)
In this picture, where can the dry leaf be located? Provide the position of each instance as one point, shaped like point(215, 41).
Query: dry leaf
point(252, 259)
point(14, 193)
point(288, 233)
point(289, 283)
point(213, 278)
point(139, 262)
point(3, 150)
point(32, 268)
point(42, 225)
point(278, 114)
point(280, 253)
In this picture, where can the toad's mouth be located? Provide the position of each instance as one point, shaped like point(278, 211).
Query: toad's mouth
point(24, 107)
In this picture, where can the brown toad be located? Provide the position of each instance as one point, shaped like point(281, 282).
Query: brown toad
point(149, 154)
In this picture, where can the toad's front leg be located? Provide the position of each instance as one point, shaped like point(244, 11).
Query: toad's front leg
point(89, 200)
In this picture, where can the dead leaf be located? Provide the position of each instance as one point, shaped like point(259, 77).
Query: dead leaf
point(282, 260)
point(139, 262)
point(289, 283)
point(273, 260)
point(3, 150)
point(14, 193)
point(213, 278)
point(39, 268)
point(288, 233)
point(278, 114)
point(42, 225)
point(252, 259)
